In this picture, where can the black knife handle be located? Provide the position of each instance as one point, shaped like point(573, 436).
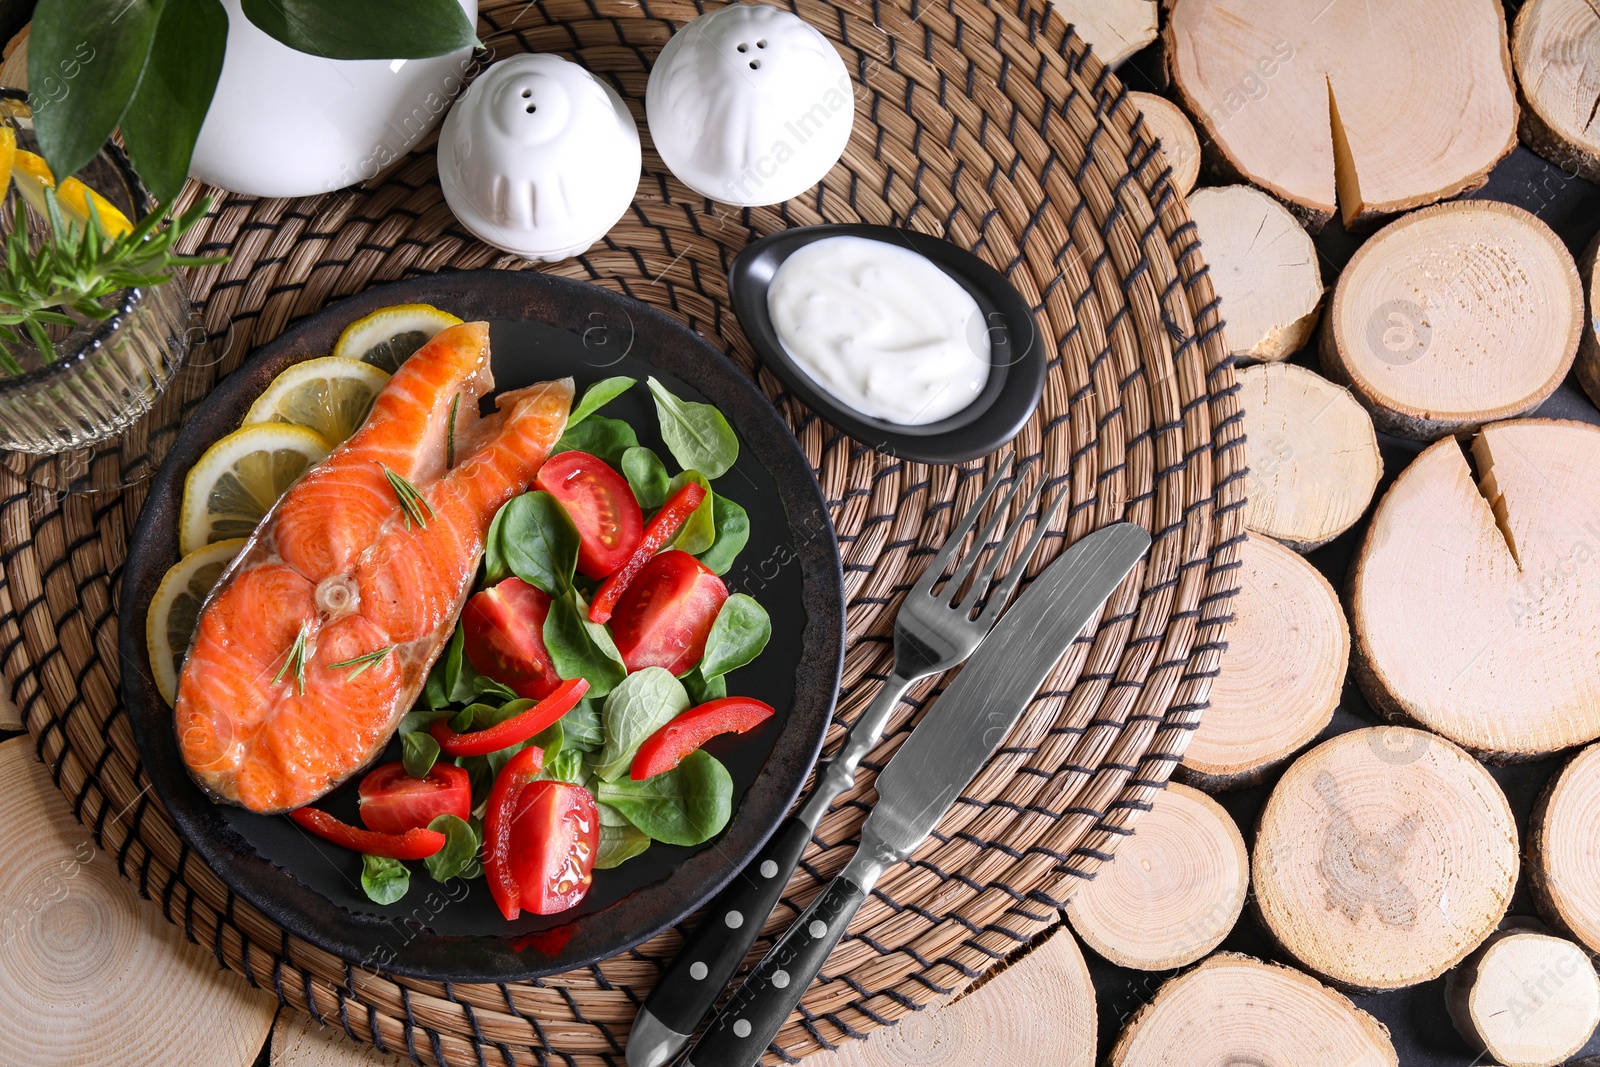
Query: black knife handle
point(702, 969)
point(743, 1029)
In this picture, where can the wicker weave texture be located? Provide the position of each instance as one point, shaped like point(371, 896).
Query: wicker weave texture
point(988, 125)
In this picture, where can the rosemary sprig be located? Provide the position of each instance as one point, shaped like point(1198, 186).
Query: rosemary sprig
point(362, 662)
point(411, 501)
point(77, 267)
point(296, 659)
point(450, 437)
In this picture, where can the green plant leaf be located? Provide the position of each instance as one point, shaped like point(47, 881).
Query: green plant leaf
point(701, 690)
point(384, 880)
point(460, 848)
point(732, 524)
point(538, 542)
point(737, 637)
point(580, 648)
point(495, 569)
point(598, 396)
point(169, 104)
point(697, 435)
point(581, 729)
point(645, 701)
point(418, 752)
point(688, 805)
point(647, 477)
point(607, 439)
point(84, 60)
point(618, 844)
point(365, 29)
point(567, 766)
point(699, 530)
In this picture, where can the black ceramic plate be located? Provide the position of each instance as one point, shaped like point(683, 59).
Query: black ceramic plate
point(541, 327)
point(1016, 374)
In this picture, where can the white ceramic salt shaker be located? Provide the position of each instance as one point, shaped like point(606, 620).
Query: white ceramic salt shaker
point(749, 105)
point(539, 157)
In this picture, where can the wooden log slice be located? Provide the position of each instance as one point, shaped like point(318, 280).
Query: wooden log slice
point(91, 974)
point(1115, 29)
point(1525, 998)
point(1587, 365)
point(1264, 269)
point(1454, 316)
point(1476, 601)
point(1038, 1012)
point(1235, 1011)
point(1367, 108)
point(1564, 849)
point(1179, 143)
point(297, 1041)
point(1281, 675)
point(1383, 857)
point(1174, 889)
point(1314, 461)
point(1553, 48)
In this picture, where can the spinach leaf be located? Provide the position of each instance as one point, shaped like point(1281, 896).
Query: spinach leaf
point(581, 727)
point(697, 435)
point(598, 396)
point(384, 880)
point(539, 542)
point(580, 648)
point(460, 848)
point(610, 816)
point(688, 805)
point(414, 721)
point(599, 436)
point(737, 637)
point(453, 679)
point(474, 869)
point(701, 690)
point(647, 477)
point(618, 844)
point(732, 525)
point(567, 766)
point(418, 751)
point(645, 701)
point(700, 528)
point(495, 568)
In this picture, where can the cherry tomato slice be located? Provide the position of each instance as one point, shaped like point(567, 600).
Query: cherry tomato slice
point(393, 802)
point(664, 526)
point(504, 638)
point(514, 730)
point(602, 506)
point(665, 749)
point(554, 837)
point(411, 845)
point(664, 617)
point(498, 819)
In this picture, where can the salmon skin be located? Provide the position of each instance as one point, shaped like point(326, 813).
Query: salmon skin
point(320, 635)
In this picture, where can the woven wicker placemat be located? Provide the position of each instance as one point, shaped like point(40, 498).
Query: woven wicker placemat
point(989, 125)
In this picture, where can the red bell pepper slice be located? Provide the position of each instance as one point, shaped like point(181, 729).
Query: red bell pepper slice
point(514, 730)
point(663, 528)
point(417, 844)
point(497, 822)
point(665, 749)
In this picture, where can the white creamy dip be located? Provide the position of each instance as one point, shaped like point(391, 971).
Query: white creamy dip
point(881, 329)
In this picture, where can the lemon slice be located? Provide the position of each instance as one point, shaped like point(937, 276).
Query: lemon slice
point(8, 156)
point(175, 610)
point(331, 395)
point(241, 477)
point(34, 177)
point(387, 337)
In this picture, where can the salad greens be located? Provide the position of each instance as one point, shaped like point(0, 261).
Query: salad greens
point(533, 538)
point(700, 529)
point(732, 526)
point(697, 435)
point(580, 648)
point(683, 806)
point(598, 396)
point(384, 880)
point(647, 477)
point(610, 439)
point(460, 848)
point(645, 702)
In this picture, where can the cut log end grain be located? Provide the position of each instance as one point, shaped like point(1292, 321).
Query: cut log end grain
point(1527, 999)
point(1563, 862)
point(1383, 857)
point(1587, 364)
point(1038, 1012)
point(1281, 675)
point(1180, 145)
point(1475, 601)
point(1454, 316)
point(1553, 46)
point(297, 1041)
point(98, 975)
point(1367, 109)
point(1234, 1010)
point(1314, 461)
point(1263, 267)
point(1174, 890)
point(1116, 29)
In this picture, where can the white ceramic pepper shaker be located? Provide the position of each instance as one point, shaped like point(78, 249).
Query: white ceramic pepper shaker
point(749, 105)
point(539, 157)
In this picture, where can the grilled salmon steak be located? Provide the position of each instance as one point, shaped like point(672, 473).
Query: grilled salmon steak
point(321, 633)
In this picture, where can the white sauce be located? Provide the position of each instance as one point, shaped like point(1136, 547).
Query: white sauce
point(881, 329)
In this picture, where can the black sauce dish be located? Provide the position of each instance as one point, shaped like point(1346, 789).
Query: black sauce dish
point(1017, 348)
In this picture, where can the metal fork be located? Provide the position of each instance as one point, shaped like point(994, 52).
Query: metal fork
point(934, 630)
